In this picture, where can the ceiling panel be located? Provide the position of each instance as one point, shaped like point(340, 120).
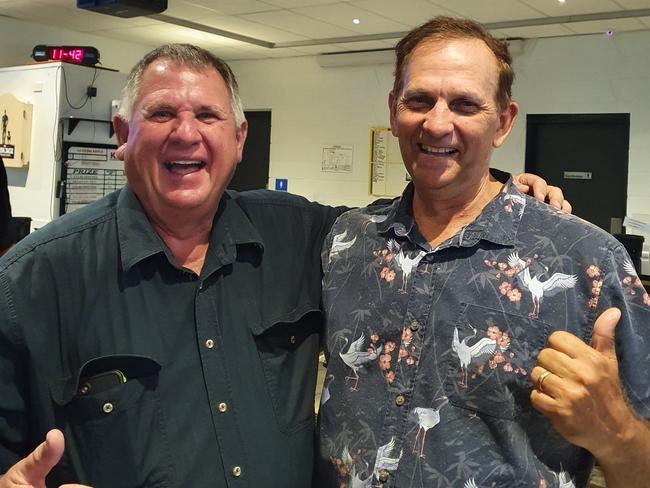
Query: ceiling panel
point(413, 13)
point(485, 11)
point(617, 25)
point(341, 14)
point(298, 3)
point(299, 24)
point(189, 10)
point(235, 7)
point(645, 21)
point(634, 4)
point(553, 8)
point(249, 28)
point(537, 31)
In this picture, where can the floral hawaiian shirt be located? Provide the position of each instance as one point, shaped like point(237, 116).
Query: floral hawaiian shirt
point(430, 350)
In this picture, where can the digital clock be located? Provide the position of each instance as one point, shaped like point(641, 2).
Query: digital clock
point(86, 55)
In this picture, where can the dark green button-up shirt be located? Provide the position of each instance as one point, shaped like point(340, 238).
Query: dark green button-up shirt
point(156, 376)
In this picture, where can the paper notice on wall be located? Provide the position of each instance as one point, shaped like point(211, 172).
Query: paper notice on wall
point(337, 159)
point(91, 173)
point(388, 177)
point(640, 223)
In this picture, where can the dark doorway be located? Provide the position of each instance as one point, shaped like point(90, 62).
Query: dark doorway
point(253, 171)
point(587, 156)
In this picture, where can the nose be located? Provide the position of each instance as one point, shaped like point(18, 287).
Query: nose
point(439, 120)
point(186, 129)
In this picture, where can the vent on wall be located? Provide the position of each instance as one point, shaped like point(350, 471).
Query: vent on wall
point(356, 58)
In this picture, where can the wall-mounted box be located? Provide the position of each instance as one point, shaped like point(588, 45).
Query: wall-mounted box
point(15, 131)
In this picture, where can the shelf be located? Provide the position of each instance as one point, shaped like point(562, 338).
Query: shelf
point(73, 122)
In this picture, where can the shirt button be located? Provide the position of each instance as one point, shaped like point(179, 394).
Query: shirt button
point(292, 339)
point(107, 407)
point(201, 286)
point(236, 471)
point(383, 475)
point(400, 400)
point(222, 407)
point(209, 343)
point(414, 326)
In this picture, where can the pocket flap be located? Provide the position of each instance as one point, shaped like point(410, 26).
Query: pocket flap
point(260, 327)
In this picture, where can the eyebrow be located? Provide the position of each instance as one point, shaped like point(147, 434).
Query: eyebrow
point(154, 106)
point(456, 93)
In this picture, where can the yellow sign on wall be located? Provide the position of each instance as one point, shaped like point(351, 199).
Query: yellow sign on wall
point(15, 131)
point(388, 177)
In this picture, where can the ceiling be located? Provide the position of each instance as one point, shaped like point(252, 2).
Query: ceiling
point(257, 29)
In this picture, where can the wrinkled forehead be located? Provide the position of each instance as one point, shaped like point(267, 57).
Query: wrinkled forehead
point(465, 57)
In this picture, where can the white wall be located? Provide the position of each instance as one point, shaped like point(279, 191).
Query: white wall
point(313, 106)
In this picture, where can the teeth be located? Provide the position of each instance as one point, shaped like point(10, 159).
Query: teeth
point(437, 150)
point(185, 164)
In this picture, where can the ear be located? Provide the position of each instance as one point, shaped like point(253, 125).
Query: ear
point(240, 135)
point(506, 122)
point(121, 129)
point(392, 111)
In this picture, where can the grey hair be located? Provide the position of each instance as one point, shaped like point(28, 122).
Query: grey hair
point(185, 55)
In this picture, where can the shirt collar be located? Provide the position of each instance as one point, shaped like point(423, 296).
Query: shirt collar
point(497, 223)
point(138, 240)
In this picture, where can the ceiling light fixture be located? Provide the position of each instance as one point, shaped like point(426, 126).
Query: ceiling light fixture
point(356, 21)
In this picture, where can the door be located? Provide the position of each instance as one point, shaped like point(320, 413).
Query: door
point(587, 156)
point(253, 171)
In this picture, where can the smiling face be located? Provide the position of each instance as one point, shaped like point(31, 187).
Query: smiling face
point(183, 144)
point(446, 115)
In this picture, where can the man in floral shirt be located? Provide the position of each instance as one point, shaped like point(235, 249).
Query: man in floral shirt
point(463, 344)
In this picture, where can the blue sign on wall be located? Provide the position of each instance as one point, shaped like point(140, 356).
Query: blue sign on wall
point(281, 184)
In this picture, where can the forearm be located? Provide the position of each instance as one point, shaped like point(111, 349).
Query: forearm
point(626, 464)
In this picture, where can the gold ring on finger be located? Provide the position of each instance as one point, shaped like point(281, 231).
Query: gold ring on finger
point(540, 380)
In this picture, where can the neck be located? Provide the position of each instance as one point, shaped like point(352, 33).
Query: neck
point(187, 239)
point(441, 214)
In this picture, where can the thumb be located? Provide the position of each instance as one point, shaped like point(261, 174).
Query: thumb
point(603, 335)
point(35, 467)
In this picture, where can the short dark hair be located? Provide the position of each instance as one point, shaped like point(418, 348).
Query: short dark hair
point(448, 28)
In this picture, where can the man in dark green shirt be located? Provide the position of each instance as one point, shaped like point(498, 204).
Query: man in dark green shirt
point(172, 345)
point(170, 330)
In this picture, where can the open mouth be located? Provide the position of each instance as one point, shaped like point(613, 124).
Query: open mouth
point(184, 167)
point(437, 151)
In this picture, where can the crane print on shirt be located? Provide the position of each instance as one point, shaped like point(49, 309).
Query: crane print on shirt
point(538, 288)
point(492, 358)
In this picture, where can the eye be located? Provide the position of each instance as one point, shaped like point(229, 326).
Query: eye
point(207, 116)
point(418, 102)
point(161, 115)
point(465, 105)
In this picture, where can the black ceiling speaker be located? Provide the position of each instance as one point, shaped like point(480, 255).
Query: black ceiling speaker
point(124, 8)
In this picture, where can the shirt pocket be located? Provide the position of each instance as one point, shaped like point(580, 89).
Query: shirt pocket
point(288, 350)
point(491, 357)
point(114, 430)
